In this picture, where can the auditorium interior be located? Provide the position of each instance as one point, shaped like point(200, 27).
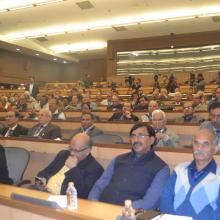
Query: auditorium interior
point(111, 60)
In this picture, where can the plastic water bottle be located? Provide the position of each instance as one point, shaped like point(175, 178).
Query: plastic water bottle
point(71, 195)
point(128, 211)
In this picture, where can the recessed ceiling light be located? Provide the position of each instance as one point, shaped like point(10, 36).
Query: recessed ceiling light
point(64, 61)
point(54, 59)
point(37, 54)
point(18, 49)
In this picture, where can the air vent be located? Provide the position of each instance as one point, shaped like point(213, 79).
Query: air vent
point(216, 18)
point(85, 5)
point(41, 39)
point(120, 28)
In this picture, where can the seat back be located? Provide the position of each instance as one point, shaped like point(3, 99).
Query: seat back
point(107, 139)
point(17, 161)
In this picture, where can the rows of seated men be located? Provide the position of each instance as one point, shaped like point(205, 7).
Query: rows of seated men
point(193, 189)
point(45, 128)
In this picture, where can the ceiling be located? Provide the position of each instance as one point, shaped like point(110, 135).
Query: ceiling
point(65, 23)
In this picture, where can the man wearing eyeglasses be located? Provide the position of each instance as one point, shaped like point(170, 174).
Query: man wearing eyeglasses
point(139, 175)
point(75, 164)
point(188, 114)
point(214, 120)
point(194, 188)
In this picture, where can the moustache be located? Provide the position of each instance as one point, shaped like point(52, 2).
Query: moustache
point(136, 143)
point(199, 152)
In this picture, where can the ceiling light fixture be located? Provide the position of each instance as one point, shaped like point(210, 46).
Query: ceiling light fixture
point(179, 14)
point(65, 48)
point(22, 4)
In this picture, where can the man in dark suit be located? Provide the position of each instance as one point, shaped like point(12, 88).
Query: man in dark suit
point(13, 129)
point(45, 129)
point(32, 88)
point(87, 126)
point(125, 115)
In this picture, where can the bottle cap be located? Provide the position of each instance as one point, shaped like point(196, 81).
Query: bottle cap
point(71, 184)
point(127, 202)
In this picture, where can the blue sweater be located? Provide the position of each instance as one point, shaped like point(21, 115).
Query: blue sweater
point(192, 193)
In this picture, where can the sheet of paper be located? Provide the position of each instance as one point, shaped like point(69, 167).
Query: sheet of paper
point(59, 199)
point(171, 217)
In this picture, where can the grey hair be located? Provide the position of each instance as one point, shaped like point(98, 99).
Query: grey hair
point(159, 111)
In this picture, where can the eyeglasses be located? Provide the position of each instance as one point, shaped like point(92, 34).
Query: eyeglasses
point(205, 144)
point(141, 136)
point(77, 151)
point(212, 116)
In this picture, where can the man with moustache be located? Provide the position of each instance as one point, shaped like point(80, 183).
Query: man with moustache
point(194, 188)
point(139, 175)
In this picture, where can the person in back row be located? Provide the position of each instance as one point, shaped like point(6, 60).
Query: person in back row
point(45, 129)
point(139, 175)
point(73, 165)
point(125, 115)
point(13, 128)
point(164, 136)
point(194, 188)
point(188, 114)
point(87, 126)
point(153, 105)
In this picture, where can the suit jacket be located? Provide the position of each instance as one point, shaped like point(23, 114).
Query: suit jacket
point(84, 174)
point(19, 130)
point(35, 90)
point(92, 132)
point(118, 116)
point(51, 131)
point(4, 177)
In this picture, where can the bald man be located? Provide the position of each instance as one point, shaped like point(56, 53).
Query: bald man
point(76, 164)
point(45, 129)
point(194, 188)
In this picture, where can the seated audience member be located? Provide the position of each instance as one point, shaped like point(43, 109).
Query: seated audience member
point(125, 115)
point(172, 84)
point(86, 109)
point(108, 100)
point(177, 99)
point(13, 129)
point(142, 104)
point(31, 112)
point(153, 105)
point(98, 98)
point(22, 104)
point(74, 165)
point(55, 109)
point(139, 175)
point(43, 102)
point(4, 104)
point(194, 188)
point(4, 176)
point(116, 104)
point(214, 120)
point(134, 98)
point(164, 136)
point(86, 100)
point(45, 129)
point(217, 96)
point(73, 105)
point(155, 94)
point(200, 86)
point(87, 126)
point(156, 84)
point(188, 114)
point(163, 94)
point(164, 81)
point(198, 103)
point(137, 85)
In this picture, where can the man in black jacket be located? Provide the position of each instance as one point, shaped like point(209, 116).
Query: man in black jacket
point(32, 88)
point(13, 129)
point(73, 165)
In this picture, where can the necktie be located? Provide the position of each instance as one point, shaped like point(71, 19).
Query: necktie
point(218, 135)
point(9, 133)
point(38, 131)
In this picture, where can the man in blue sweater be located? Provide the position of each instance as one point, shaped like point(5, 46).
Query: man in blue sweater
point(139, 175)
point(194, 188)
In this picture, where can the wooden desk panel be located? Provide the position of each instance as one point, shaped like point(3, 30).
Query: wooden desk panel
point(13, 210)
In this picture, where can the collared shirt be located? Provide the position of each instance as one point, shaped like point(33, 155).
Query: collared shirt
point(196, 175)
point(10, 131)
point(187, 118)
point(86, 130)
point(31, 88)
